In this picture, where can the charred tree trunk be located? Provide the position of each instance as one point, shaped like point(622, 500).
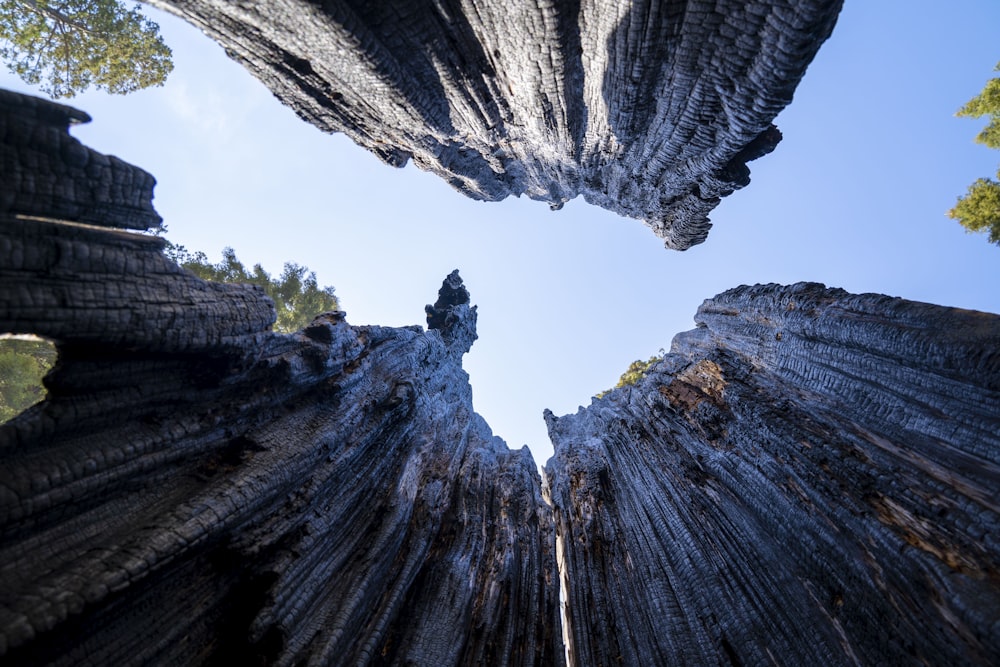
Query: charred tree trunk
point(197, 489)
point(650, 110)
point(809, 477)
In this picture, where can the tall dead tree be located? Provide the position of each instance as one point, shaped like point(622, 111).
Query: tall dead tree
point(808, 477)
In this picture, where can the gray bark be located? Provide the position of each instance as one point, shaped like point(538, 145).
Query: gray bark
point(327, 497)
point(197, 489)
point(809, 477)
point(48, 173)
point(650, 110)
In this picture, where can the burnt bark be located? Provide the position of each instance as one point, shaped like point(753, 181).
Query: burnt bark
point(327, 497)
point(809, 477)
point(48, 173)
point(650, 110)
point(197, 489)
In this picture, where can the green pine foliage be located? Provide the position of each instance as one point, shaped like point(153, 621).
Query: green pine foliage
point(23, 364)
point(979, 209)
point(986, 103)
point(635, 372)
point(66, 46)
point(297, 296)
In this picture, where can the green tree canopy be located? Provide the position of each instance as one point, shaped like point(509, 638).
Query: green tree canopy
point(986, 103)
point(979, 209)
point(635, 372)
point(296, 293)
point(23, 364)
point(65, 46)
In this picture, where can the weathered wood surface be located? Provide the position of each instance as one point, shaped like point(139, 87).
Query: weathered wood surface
point(46, 172)
point(808, 478)
point(327, 497)
point(197, 489)
point(65, 281)
point(648, 109)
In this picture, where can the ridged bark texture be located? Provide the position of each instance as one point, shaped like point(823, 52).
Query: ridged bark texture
point(48, 173)
point(647, 109)
point(327, 497)
point(808, 478)
point(199, 490)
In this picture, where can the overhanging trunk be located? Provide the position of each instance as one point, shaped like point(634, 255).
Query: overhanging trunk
point(810, 477)
point(647, 109)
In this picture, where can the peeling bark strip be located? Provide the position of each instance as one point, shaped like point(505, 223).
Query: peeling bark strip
point(647, 109)
point(810, 477)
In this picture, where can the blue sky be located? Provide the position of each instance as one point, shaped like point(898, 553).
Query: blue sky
point(854, 197)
